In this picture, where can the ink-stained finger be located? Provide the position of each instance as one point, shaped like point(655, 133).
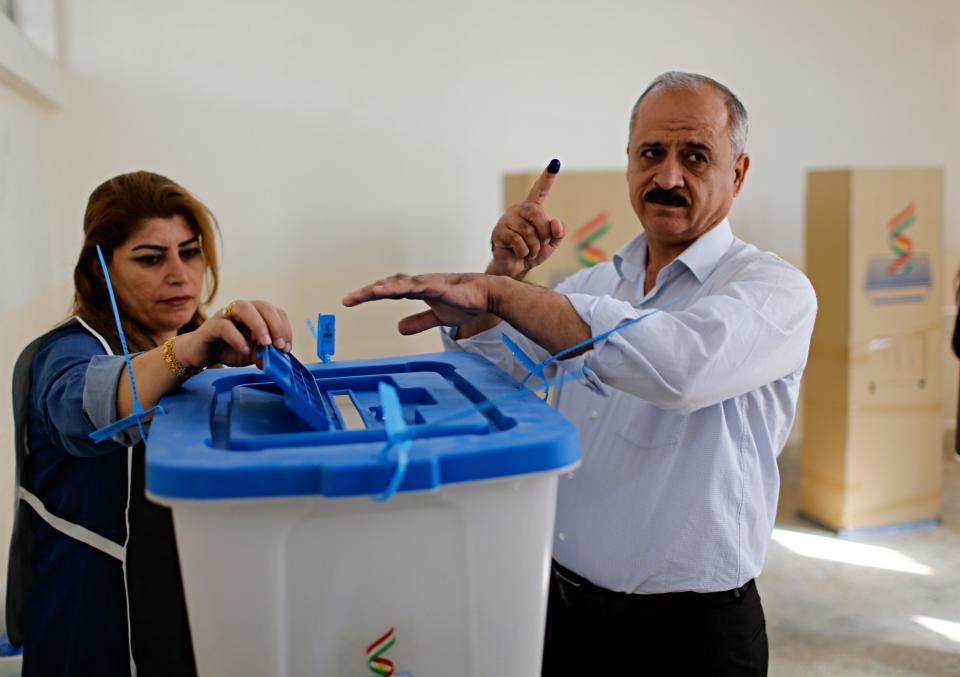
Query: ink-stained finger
point(541, 188)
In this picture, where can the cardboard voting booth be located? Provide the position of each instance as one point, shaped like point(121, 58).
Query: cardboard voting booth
point(872, 395)
point(594, 207)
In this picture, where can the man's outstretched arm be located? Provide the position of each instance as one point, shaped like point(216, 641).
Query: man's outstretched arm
point(544, 316)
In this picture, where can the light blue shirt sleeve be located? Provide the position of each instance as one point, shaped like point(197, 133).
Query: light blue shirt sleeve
point(752, 331)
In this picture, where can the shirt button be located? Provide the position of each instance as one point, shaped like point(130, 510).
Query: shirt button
point(562, 536)
point(569, 475)
point(594, 415)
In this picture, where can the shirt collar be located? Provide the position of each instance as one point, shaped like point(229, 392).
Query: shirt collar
point(631, 259)
point(700, 258)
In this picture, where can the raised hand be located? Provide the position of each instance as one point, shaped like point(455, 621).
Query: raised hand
point(454, 299)
point(525, 236)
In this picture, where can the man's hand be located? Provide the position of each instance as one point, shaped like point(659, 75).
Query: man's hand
point(525, 236)
point(546, 317)
point(454, 300)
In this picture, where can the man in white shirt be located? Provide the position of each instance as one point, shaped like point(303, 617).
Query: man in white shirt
point(662, 530)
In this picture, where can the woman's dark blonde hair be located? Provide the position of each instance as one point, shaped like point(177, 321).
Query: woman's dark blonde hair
point(115, 210)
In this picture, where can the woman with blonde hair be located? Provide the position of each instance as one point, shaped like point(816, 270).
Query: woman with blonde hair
point(93, 585)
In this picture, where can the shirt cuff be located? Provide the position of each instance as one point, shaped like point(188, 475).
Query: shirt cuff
point(100, 396)
point(492, 335)
point(448, 336)
point(601, 313)
point(593, 382)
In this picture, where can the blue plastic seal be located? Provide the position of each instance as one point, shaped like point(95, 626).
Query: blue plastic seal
point(325, 334)
point(326, 337)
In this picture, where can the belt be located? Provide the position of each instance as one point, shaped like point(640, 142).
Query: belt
point(579, 593)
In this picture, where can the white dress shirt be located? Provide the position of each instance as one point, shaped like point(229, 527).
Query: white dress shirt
point(679, 482)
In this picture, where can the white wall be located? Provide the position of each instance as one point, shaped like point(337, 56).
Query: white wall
point(337, 141)
point(335, 136)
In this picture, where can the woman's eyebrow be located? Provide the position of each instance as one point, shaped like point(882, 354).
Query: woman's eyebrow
point(163, 248)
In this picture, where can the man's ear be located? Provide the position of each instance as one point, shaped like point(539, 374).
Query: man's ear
point(740, 168)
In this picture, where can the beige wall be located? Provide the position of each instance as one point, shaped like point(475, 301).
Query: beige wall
point(951, 258)
point(340, 141)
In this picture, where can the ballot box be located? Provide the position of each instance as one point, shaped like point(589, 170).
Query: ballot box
point(299, 558)
point(872, 428)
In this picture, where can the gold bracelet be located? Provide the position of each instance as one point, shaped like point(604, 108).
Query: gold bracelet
point(174, 364)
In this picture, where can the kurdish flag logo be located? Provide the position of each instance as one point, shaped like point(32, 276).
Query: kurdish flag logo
point(379, 665)
point(904, 277)
point(587, 253)
point(900, 244)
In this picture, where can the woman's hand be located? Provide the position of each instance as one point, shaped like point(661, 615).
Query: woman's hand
point(232, 335)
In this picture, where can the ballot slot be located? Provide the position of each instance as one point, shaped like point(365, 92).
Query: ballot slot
point(347, 409)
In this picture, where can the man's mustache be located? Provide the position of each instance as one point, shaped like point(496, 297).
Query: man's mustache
point(672, 197)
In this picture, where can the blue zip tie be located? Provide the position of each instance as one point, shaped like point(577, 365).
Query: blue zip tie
point(525, 360)
point(138, 412)
point(532, 367)
point(397, 436)
point(536, 368)
point(490, 404)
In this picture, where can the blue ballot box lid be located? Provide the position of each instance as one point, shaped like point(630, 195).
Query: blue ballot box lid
point(301, 393)
point(295, 430)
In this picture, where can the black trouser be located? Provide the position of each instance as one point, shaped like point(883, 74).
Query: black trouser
point(597, 632)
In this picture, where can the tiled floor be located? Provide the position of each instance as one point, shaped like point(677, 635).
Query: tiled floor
point(886, 604)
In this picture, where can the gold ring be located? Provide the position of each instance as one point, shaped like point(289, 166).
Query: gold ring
point(228, 311)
